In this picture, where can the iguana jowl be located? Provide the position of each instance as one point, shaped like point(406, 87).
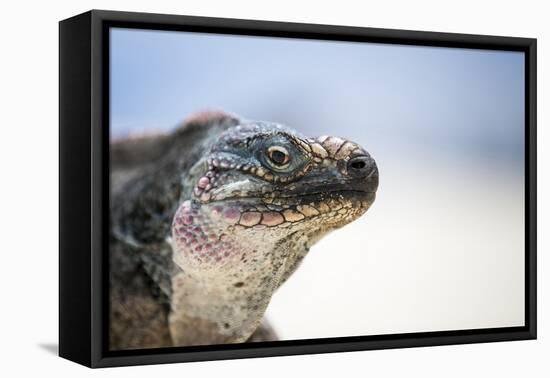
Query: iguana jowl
point(208, 221)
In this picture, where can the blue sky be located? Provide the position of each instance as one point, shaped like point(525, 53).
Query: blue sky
point(429, 99)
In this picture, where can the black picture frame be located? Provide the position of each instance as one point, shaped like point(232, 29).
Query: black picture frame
point(84, 187)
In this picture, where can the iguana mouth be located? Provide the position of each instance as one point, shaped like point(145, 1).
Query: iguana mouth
point(316, 187)
point(304, 198)
point(343, 192)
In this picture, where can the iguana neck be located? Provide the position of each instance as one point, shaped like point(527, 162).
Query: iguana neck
point(226, 279)
point(218, 309)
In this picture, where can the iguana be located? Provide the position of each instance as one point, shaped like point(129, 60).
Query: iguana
point(209, 220)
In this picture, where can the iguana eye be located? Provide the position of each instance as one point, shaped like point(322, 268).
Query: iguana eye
point(278, 155)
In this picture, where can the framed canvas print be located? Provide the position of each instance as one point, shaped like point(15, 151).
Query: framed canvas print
point(235, 188)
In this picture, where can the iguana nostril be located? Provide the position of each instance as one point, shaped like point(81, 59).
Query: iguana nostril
point(360, 165)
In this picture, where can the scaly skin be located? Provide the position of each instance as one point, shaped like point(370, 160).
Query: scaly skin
point(224, 227)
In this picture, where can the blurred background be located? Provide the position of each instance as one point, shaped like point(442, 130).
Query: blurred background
point(443, 245)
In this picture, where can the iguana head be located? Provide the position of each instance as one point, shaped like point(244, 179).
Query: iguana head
point(263, 194)
point(262, 182)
